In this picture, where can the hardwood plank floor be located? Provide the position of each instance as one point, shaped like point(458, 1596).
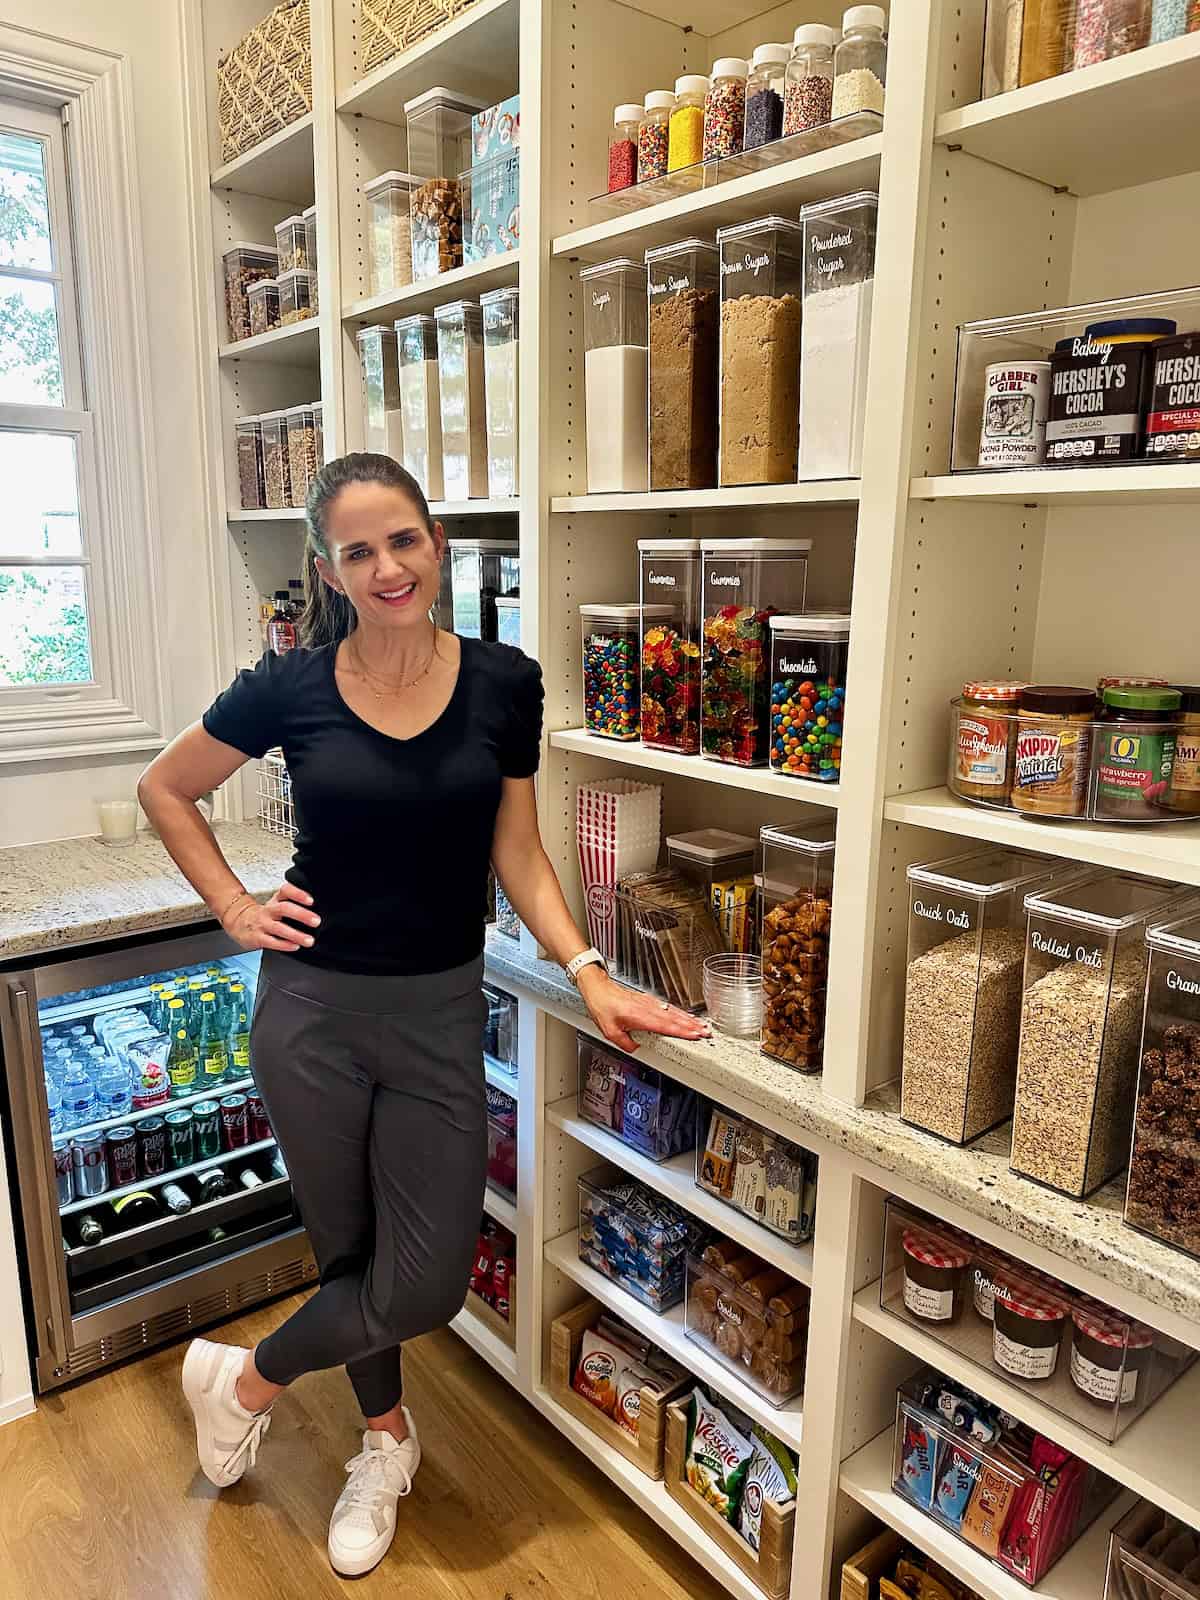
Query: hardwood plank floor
point(101, 1499)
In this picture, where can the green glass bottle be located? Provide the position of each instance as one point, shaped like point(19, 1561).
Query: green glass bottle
point(214, 1049)
point(195, 988)
point(181, 1058)
point(221, 986)
point(239, 1032)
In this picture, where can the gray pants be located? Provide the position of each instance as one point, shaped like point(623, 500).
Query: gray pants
point(375, 1090)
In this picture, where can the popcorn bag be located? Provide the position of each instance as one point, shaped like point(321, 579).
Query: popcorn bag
point(618, 825)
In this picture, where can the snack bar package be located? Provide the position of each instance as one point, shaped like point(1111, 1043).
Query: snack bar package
point(717, 1457)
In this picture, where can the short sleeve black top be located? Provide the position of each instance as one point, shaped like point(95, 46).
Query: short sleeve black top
point(394, 835)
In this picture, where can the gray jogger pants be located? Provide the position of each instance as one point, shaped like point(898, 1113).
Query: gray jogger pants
point(375, 1090)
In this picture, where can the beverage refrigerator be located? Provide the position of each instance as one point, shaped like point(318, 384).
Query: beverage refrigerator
point(213, 1228)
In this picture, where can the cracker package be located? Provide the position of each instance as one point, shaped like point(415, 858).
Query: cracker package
point(717, 1457)
point(630, 1383)
point(600, 1363)
point(749, 1191)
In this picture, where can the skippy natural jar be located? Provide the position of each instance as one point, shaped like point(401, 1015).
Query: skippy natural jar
point(1050, 775)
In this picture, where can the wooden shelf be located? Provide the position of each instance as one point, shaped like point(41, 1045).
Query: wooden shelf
point(1158, 483)
point(280, 168)
point(815, 492)
point(446, 509)
point(761, 780)
point(380, 309)
point(477, 52)
point(296, 345)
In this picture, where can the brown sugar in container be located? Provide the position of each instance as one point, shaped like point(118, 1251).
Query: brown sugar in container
point(1050, 777)
point(985, 745)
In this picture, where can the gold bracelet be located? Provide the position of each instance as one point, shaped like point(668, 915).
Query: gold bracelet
point(243, 894)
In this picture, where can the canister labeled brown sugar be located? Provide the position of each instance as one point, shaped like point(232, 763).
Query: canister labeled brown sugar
point(985, 745)
point(1184, 794)
point(1050, 776)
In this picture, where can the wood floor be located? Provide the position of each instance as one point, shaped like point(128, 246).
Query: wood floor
point(101, 1499)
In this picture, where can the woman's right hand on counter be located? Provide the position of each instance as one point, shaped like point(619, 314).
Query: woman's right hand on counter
point(269, 926)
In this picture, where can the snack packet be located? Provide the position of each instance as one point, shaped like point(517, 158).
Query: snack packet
point(717, 1457)
point(630, 1383)
point(765, 1480)
point(595, 1378)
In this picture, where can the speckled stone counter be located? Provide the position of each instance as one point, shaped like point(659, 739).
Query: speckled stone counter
point(76, 891)
point(1090, 1234)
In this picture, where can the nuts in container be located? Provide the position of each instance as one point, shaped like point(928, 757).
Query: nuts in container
point(244, 264)
point(263, 299)
point(437, 228)
point(277, 482)
point(302, 451)
point(296, 295)
point(796, 899)
point(250, 463)
point(292, 245)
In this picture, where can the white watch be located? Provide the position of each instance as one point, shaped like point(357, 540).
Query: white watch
point(586, 958)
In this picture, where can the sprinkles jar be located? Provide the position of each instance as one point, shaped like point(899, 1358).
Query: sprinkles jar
point(808, 86)
point(623, 147)
point(725, 108)
point(653, 135)
point(685, 133)
point(808, 695)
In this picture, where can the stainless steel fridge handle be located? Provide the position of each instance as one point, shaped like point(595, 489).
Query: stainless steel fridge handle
point(47, 1185)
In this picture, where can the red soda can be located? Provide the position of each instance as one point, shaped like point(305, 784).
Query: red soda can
point(260, 1123)
point(235, 1122)
point(122, 1151)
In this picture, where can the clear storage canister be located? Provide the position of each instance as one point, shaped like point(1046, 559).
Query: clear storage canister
point(302, 451)
point(292, 245)
point(460, 383)
point(653, 134)
point(764, 95)
point(685, 131)
point(389, 229)
point(439, 150)
point(682, 284)
point(508, 620)
point(670, 703)
point(860, 62)
point(725, 108)
point(808, 82)
point(745, 581)
point(243, 265)
point(501, 349)
point(420, 402)
point(615, 367)
point(481, 570)
point(762, 276)
point(310, 250)
point(722, 865)
point(796, 905)
point(835, 333)
point(380, 386)
point(277, 480)
point(296, 295)
point(1081, 1014)
point(248, 432)
point(319, 433)
point(962, 990)
point(808, 694)
point(623, 147)
point(262, 297)
point(610, 669)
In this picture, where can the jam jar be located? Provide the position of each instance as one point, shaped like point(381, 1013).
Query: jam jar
point(935, 1275)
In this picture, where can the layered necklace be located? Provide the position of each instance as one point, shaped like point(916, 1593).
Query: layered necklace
point(386, 688)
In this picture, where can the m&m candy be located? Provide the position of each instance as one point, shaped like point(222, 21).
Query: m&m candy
point(808, 696)
point(610, 670)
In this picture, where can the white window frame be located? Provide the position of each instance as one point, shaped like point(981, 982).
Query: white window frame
point(105, 364)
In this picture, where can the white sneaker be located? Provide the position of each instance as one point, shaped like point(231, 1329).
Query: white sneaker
point(364, 1520)
point(227, 1435)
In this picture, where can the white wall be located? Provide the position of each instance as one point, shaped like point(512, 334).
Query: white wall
point(56, 799)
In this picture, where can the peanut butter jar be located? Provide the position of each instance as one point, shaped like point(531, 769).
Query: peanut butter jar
point(1050, 777)
point(985, 745)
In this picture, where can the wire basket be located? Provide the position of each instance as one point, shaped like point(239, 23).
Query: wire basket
point(276, 813)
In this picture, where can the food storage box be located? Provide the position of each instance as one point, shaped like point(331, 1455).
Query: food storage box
point(420, 402)
point(762, 281)
point(302, 451)
point(611, 693)
point(1152, 1556)
point(1010, 1493)
point(378, 362)
point(319, 432)
point(389, 228)
point(758, 1172)
point(508, 620)
point(665, 933)
point(248, 433)
point(808, 694)
point(500, 1030)
point(670, 688)
point(745, 582)
point(615, 368)
point(481, 570)
point(242, 265)
point(722, 864)
point(501, 350)
point(460, 386)
point(277, 480)
point(291, 244)
point(262, 297)
point(502, 1142)
point(296, 295)
point(496, 131)
point(795, 902)
point(635, 1103)
point(310, 249)
point(634, 1237)
point(751, 1318)
point(491, 202)
point(962, 998)
point(1085, 973)
point(439, 149)
point(835, 338)
point(682, 285)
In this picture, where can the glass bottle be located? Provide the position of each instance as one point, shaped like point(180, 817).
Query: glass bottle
point(860, 62)
point(725, 108)
point(181, 1058)
point(653, 134)
point(239, 1031)
point(764, 95)
point(623, 147)
point(213, 1049)
point(685, 132)
point(281, 631)
point(808, 82)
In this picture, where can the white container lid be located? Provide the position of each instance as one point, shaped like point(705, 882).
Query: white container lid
point(632, 112)
point(670, 547)
point(814, 838)
point(621, 264)
point(730, 67)
point(1108, 902)
point(664, 252)
point(453, 308)
point(986, 873)
point(415, 319)
point(453, 101)
point(297, 272)
point(506, 547)
point(777, 54)
point(309, 211)
point(746, 230)
point(298, 411)
point(296, 221)
point(260, 284)
point(248, 422)
point(317, 406)
point(691, 83)
point(1180, 937)
point(241, 244)
point(269, 416)
point(624, 613)
point(711, 844)
point(375, 331)
point(737, 547)
point(508, 291)
point(864, 17)
point(815, 33)
point(402, 180)
point(660, 100)
point(835, 624)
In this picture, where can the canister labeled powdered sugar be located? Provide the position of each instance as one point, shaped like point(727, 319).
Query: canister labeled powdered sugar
point(839, 275)
point(1016, 400)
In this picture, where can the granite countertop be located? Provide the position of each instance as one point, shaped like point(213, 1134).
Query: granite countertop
point(1088, 1233)
point(76, 891)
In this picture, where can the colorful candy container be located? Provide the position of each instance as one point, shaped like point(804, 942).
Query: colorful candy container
point(808, 695)
point(670, 581)
point(611, 682)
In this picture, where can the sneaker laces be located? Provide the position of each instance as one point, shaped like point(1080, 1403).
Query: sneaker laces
point(255, 1434)
point(373, 1474)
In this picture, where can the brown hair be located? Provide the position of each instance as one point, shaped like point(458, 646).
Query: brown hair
point(328, 616)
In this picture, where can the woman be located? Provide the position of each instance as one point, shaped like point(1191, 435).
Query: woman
point(411, 754)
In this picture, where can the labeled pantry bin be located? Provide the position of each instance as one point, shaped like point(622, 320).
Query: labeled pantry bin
point(1081, 1013)
point(762, 283)
point(439, 151)
point(745, 581)
point(962, 990)
point(757, 1172)
point(248, 433)
point(481, 570)
point(389, 228)
point(1152, 1556)
point(682, 285)
point(669, 576)
point(420, 402)
point(615, 366)
point(377, 359)
point(721, 864)
point(610, 636)
point(808, 694)
point(796, 905)
point(460, 385)
point(752, 1318)
point(835, 335)
point(501, 346)
point(637, 1104)
point(635, 1237)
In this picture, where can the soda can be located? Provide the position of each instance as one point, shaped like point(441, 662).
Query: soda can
point(235, 1121)
point(152, 1146)
point(260, 1123)
point(87, 1163)
point(121, 1145)
point(181, 1138)
point(63, 1173)
point(206, 1126)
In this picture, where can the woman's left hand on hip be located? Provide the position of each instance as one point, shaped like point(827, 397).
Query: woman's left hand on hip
point(616, 1011)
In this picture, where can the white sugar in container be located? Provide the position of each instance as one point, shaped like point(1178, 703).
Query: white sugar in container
point(1016, 398)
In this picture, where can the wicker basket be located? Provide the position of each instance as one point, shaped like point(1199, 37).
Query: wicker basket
point(265, 82)
point(388, 26)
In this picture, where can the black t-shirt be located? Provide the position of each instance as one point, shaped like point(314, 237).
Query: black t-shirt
point(394, 835)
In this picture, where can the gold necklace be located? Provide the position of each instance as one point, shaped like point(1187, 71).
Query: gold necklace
point(394, 688)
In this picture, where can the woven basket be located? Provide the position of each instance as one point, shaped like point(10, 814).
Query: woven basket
point(265, 82)
point(388, 26)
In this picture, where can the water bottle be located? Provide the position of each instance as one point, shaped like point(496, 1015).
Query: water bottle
point(78, 1098)
point(114, 1095)
point(54, 1103)
point(55, 1062)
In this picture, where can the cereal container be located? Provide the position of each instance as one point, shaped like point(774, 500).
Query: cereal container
point(508, 620)
point(491, 200)
point(501, 364)
point(380, 386)
point(808, 694)
point(296, 295)
point(481, 570)
point(309, 218)
point(277, 481)
point(762, 280)
point(745, 582)
point(755, 1325)
point(722, 864)
point(835, 337)
point(292, 245)
point(244, 264)
point(420, 402)
point(389, 229)
point(460, 384)
point(682, 289)
point(248, 432)
point(670, 709)
point(262, 298)
point(962, 993)
point(636, 1104)
point(439, 150)
point(1081, 1014)
point(634, 1237)
point(610, 669)
point(302, 451)
point(318, 412)
point(795, 903)
point(615, 367)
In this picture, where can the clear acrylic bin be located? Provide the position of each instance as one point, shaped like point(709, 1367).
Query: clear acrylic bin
point(962, 997)
point(809, 656)
point(682, 284)
point(318, 412)
point(460, 386)
point(248, 433)
point(796, 902)
point(389, 228)
point(753, 1319)
point(611, 694)
point(310, 247)
point(762, 279)
point(1081, 1014)
point(721, 864)
point(670, 689)
point(1010, 1493)
point(637, 1104)
point(745, 582)
point(277, 478)
point(500, 1030)
point(1152, 1556)
point(502, 1142)
point(439, 149)
point(262, 298)
point(634, 1237)
point(835, 337)
point(481, 570)
point(501, 350)
point(420, 402)
point(491, 201)
point(296, 296)
point(302, 451)
point(759, 1173)
point(291, 243)
point(665, 932)
point(378, 362)
point(615, 366)
point(508, 620)
point(243, 264)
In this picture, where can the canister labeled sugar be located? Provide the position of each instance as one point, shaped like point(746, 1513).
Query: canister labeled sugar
point(1016, 398)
